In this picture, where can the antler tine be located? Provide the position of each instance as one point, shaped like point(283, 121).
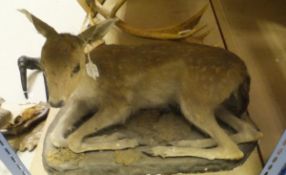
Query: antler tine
point(98, 4)
point(183, 30)
point(203, 35)
point(156, 34)
point(185, 25)
point(92, 7)
point(179, 31)
point(96, 12)
point(189, 23)
point(84, 5)
point(199, 37)
point(88, 6)
point(100, 9)
point(116, 7)
point(90, 13)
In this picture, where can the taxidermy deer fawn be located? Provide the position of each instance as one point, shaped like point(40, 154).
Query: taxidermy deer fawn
point(204, 81)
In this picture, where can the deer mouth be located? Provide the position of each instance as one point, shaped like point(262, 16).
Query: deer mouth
point(57, 104)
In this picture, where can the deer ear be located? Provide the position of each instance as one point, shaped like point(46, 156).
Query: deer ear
point(98, 31)
point(40, 26)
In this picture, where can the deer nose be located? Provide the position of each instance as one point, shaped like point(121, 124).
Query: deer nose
point(57, 104)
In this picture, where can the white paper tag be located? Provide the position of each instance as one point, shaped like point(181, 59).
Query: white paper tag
point(91, 69)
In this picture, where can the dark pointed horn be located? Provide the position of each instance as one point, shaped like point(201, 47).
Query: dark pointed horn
point(25, 63)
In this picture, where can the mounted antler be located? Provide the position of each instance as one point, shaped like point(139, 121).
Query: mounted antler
point(183, 30)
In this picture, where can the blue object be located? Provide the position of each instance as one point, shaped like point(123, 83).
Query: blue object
point(10, 159)
point(276, 165)
point(283, 171)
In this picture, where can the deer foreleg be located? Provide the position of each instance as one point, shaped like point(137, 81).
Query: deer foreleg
point(104, 118)
point(65, 120)
point(114, 141)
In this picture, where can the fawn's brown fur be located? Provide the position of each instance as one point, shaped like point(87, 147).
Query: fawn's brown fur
point(200, 79)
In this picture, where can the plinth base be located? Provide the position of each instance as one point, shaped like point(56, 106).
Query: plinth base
point(152, 128)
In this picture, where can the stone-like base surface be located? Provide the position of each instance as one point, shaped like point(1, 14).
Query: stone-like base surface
point(152, 128)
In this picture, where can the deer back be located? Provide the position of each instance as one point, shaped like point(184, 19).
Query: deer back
point(157, 72)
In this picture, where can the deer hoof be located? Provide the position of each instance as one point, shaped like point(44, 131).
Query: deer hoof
point(58, 140)
point(157, 151)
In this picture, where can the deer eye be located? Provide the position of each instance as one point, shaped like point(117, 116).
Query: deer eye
point(76, 69)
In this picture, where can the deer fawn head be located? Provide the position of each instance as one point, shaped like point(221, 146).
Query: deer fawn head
point(63, 58)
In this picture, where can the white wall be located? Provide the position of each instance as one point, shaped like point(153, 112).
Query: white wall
point(18, 37)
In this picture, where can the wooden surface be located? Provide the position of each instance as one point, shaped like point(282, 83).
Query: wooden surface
point(255, 30)
point(172, 12)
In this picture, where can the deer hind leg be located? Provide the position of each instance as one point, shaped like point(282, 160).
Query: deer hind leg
point(245, 131)
point(104, 118)
point(205, 120)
